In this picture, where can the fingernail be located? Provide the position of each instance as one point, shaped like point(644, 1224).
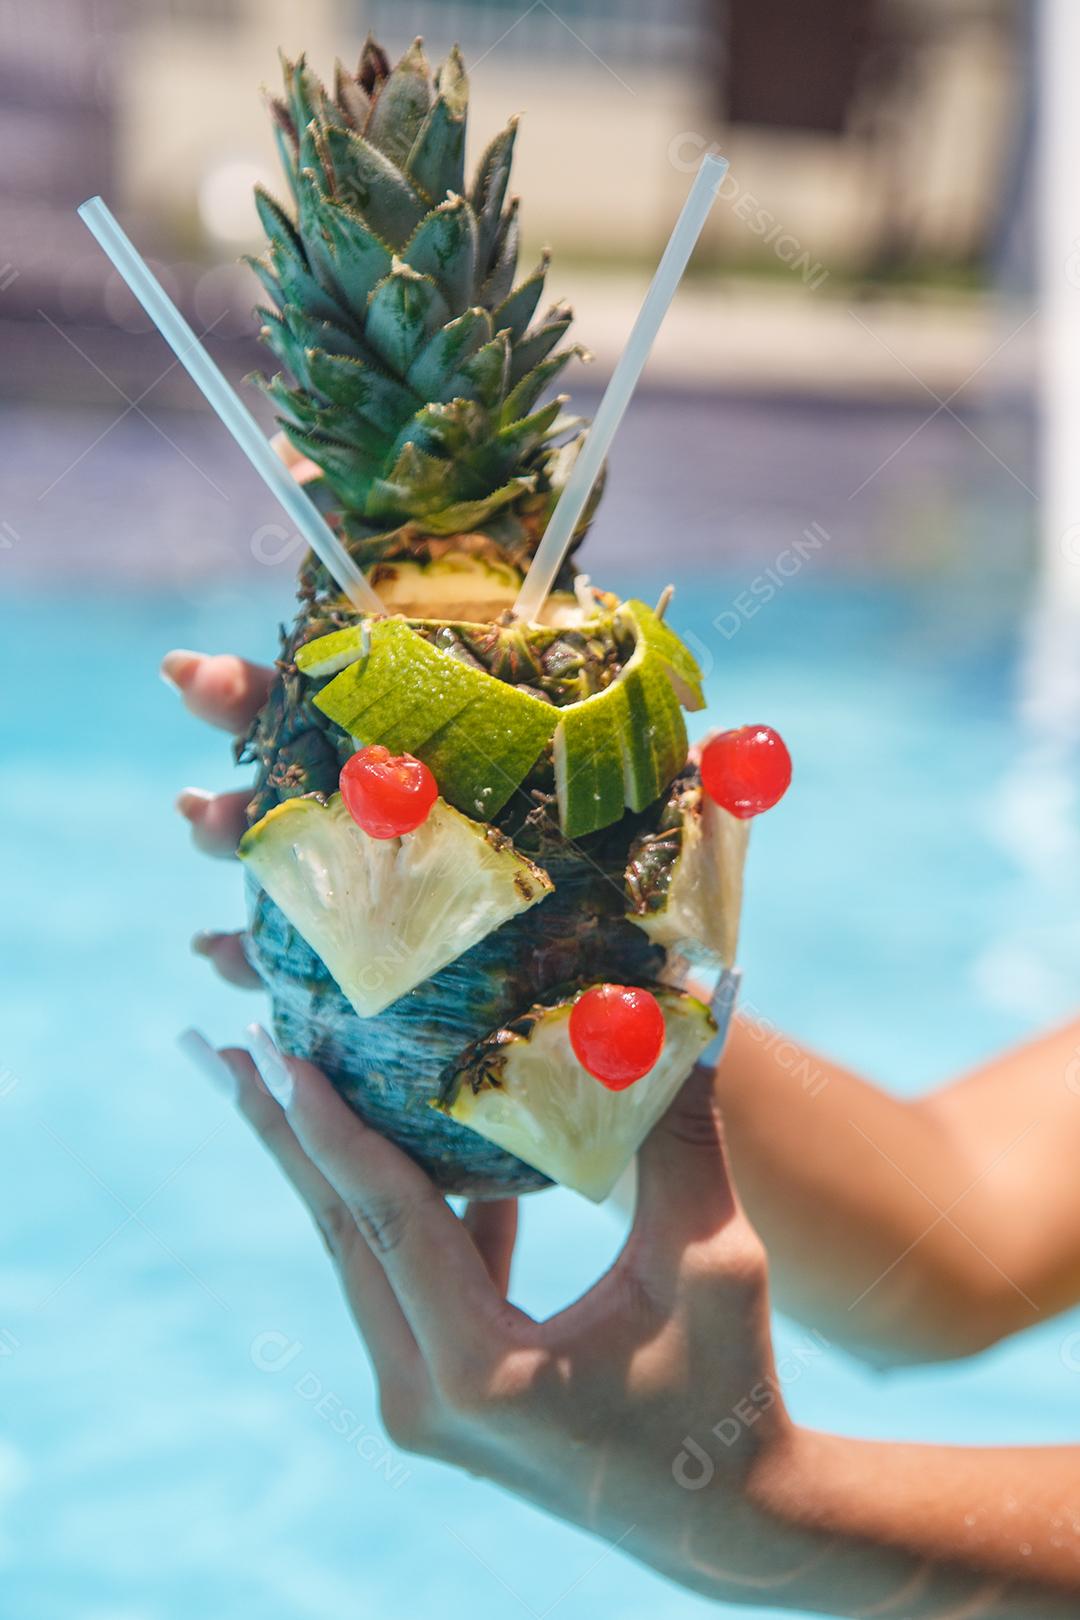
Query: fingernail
point(190, 801)
point(209, 1060)
point(177, 665)
point(271, 1065)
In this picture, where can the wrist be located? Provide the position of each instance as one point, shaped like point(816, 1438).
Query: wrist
point(754, 1545)
point(821, 1557)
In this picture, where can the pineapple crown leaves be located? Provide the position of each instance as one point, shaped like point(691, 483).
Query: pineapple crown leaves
point(415, 357)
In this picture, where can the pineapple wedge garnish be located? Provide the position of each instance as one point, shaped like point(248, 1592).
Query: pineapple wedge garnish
point(694, 909)
point(523, 1089)
point(384, 914)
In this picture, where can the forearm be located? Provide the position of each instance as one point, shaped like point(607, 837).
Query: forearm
point(846, 1186)
point(911, 1532)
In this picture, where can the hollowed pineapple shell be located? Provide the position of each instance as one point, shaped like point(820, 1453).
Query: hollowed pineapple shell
point(389, 1066)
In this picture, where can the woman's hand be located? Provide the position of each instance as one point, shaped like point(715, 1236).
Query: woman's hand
point(587, 1414)
point(226, 692)
point(648, 1411)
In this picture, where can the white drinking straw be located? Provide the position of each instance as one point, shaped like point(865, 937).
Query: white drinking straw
point(586, 469)
point(228, 405)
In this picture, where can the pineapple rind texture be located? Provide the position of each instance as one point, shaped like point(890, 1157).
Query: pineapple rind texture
point(388, 1067)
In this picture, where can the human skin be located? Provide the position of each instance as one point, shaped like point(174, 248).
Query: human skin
point(637, 1412)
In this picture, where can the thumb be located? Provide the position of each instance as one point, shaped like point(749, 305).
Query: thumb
point(684, 1186)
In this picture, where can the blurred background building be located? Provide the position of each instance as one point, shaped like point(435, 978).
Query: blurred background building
point(873, 143)
point(868, 259)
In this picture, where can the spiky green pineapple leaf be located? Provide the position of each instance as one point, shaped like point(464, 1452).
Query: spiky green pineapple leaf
point(483, 375)
point(365, 179)
point(345, 471)
point(361, 388)
point(317, 249)
point(513, 446)
point(500, 278)
point(354, 257)
point(270, 283)
point(433, 371)
point(437, 161)
point(300, 287)
point(299, 407)
point(538, 344)
point(308, 106)
point(452, 431)
point(276, 222)
point(524, 395)
point(515, 312)
point(411, 375)
point(291, 281)
point(305, 97)
point(418, 482)
point(284, 140)
point(489, 192)
point(465, 516)
point(351, 97)
point(443, 246)
point(402, 105)
point(304, 334)
point(403, 312)
point(292, 336)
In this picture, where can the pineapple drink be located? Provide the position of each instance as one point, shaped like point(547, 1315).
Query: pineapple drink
point(484, 879)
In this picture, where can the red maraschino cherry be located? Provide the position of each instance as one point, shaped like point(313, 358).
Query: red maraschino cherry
point(747, 770)
point(387, 794)
point(617, 1033)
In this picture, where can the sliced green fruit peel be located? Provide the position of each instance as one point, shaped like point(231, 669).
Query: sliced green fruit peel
point(588, 762)
point(327, 654)
point(654, 742)
point(626, 744)
point(480, 736)
point(674, 654)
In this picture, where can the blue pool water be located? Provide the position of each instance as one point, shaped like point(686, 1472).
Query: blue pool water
point(167, 1323)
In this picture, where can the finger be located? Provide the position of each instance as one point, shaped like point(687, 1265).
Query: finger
point(434, 1268)
point(370, 1297)
point(218, 820)
point(226, 953)
point(302, 467)
point(493, 1228)
point(684, 1188)
point(222, 689)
